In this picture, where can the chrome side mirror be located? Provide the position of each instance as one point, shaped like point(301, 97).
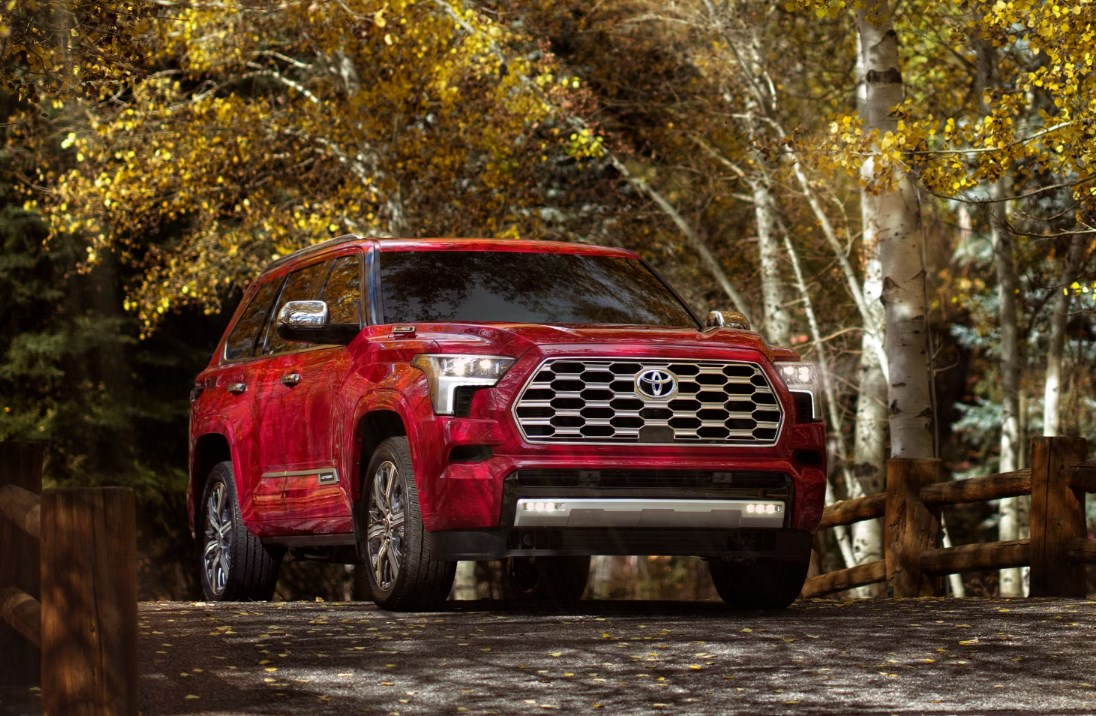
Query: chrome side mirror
point(728, 319)
point(303, 315)
point(310, 322)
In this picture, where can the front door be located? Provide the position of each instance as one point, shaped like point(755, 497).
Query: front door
point(296, 399)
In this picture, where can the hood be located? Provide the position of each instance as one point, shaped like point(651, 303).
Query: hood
point(515, 339)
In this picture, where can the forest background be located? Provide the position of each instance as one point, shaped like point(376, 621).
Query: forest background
point(784, 159)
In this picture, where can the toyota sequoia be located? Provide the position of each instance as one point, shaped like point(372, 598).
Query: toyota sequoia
point(410, 403)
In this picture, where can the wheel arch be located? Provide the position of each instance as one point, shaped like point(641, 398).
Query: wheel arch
point(373, 428)
point(209, 450)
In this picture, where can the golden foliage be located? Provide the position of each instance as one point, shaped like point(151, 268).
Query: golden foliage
point(1035, 115)
point(251, 130)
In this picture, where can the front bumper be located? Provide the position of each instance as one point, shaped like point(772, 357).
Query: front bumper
point(620, 511)
point(466, 465)
point(735, 544)
point(482, 493)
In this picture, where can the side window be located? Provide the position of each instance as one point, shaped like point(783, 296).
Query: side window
point(343, 291)
point(302, 285)
point(241, 341)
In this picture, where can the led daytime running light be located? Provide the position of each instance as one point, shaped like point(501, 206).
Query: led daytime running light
point(446, 373)
point(799, 374)
point(804, 378)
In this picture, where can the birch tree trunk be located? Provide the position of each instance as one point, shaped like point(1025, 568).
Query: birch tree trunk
point(601, 575)
point(894, 215)
point(1009, 527)
point(1052, 389)
point(776, 322)
point(838, 446)
point(464, 583)
point(870, 437)
point(761, 103)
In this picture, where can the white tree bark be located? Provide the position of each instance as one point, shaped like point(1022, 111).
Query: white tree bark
point(894, 215)
point(761, 120)
point(839, 447)
point(1052, 389)
point(841, 255)
point(776, 321)
point(1009, 527)
point(870, 436)
point(760, 103)
point(601, 574)
point(464, 584)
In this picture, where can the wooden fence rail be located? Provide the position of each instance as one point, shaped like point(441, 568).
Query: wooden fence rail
point(76, 549)
point(910, 508)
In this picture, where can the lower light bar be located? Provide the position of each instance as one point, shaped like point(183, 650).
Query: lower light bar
point(541, 506)
point(632, 512)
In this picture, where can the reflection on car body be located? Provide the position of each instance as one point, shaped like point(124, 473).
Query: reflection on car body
point(412, 402)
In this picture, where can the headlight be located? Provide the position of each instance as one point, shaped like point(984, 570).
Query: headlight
point(446, 373)
point(803, 379)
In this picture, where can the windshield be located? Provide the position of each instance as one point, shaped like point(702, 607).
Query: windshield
point(511, 287)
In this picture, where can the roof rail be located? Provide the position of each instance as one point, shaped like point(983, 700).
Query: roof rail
point(313, 249)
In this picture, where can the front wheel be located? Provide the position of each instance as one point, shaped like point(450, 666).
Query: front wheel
point(556, 580)
point(761, 584)
point(402, 573)
point(235, 565)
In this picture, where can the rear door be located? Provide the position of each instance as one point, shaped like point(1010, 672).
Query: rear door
point(235, 391)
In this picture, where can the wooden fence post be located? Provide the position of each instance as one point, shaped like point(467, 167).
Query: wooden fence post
point(20, 465)
point(1057, 515)
point(89, 602)
point(910, 528)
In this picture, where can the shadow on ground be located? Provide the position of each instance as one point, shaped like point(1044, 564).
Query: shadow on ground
point(819, 657)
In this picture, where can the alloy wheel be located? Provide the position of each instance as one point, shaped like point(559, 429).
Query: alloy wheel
point(218, 538)
point(385, 527)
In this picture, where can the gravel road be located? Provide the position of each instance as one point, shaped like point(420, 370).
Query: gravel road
point(819, 657)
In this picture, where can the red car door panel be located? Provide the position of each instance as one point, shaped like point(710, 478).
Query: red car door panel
point(296, 441)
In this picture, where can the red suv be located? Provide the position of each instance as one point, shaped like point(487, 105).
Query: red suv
point(410, 403)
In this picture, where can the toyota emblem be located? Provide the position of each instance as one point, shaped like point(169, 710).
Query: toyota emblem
point(656, 383)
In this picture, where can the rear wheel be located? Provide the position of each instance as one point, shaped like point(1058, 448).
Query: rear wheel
point(760, 584)
point(557, 580)
point(403, 575)
point(235, 564)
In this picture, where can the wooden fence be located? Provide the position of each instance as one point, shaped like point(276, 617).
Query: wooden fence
point(914, 563)
point(68, 589)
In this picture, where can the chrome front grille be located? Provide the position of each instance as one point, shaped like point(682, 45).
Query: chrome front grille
point(622, 401)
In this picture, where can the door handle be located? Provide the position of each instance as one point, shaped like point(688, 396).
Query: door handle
point(291, 380)
point(237, 388)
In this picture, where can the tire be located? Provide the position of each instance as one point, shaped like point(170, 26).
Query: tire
point(556, 580)
point(761, 584)
point(403, 576)
point(234, 565)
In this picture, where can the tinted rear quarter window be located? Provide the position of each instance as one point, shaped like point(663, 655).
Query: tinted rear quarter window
point(241, 341)
point(343, 291)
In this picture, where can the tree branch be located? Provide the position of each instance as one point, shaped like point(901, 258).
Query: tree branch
point(261, 71)
point(694, 239)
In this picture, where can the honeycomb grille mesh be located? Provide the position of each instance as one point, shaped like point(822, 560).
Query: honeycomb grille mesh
point(572, 400)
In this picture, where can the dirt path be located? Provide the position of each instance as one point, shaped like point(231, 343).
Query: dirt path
point(819, 657)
